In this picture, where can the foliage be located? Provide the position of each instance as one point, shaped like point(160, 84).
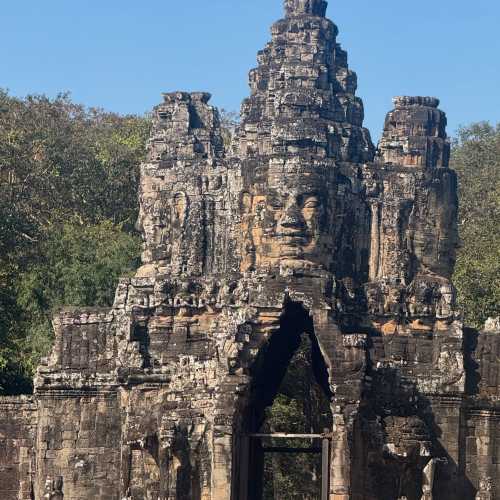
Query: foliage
point(299, 407)
point(229, 121)
point(80, 266)
point(59, 160)
point(68, 204)
point(476, 158)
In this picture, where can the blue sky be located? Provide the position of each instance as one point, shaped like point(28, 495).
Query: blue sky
point(121, 54)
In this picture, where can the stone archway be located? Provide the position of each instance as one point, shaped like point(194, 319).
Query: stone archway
point(267, 372)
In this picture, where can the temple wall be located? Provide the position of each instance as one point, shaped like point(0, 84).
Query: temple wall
point(483, 448)
point(79, 418)
point(482, 425)
point(78, 439)
point(84, 348)
point(18, 421)
point(448, 419)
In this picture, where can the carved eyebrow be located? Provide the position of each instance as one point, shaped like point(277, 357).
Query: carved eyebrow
point(274, 199)
point(305, 196)
point(276, 203)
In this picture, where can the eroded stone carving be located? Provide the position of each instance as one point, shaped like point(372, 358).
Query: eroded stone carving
point(298, 227)
point(300, 7)
point(53, 489)
point(485, 489)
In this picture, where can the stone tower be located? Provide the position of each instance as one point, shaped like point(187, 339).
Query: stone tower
point(301, 226)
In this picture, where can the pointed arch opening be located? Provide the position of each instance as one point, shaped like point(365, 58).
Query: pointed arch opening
point(289, 394)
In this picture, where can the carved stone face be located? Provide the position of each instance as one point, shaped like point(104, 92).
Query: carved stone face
point(292, 222)
point(162, 223)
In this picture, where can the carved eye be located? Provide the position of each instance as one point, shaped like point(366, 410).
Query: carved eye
point(275, 203)
point(311, 202)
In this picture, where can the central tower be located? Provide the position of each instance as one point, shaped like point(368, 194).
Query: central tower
point(300, 123)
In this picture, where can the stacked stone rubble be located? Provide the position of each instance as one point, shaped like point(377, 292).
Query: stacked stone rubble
point(299, 227)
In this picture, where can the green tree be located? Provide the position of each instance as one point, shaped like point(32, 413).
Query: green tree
point(68, 204)
point(229, 121)
point(476, 158)
point(59, 160)
point(81, 266)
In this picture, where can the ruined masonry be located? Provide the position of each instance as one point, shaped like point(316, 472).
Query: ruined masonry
point(300, 225)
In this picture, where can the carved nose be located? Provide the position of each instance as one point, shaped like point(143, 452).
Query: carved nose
point(292, 219)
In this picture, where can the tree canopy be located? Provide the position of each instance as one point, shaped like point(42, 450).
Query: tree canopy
point(476, 158)
point(68, 204)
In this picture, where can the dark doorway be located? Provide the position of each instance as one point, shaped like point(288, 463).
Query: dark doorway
point(290, 394)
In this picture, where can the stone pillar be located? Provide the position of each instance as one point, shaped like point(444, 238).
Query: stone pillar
point(223, 441)
point(222, 467)
point(428, 480)
point(375, 242)
point(341, 456)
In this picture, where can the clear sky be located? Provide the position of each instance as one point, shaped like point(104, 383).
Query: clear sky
point(121, 54)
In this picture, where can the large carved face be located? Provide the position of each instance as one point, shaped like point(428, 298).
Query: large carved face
point(162, 220)
point(291, 222)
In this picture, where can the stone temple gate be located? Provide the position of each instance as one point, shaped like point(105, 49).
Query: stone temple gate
point(300, 225)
